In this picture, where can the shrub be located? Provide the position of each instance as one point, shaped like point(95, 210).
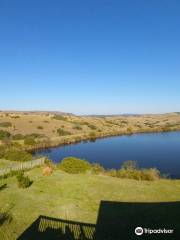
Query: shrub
point(2, 151)
point(5, 124)
point(4, 134)
point(112, 173)
point(77, 127)
point(150, 174)
point(29, 141)
point(60, 117)
point(62, 132)
point(23, 181)
point(129, 170)
point(15, 117)
point(129, 130)
point(92, 135)
point(74, 165)
point(17, 155)
point(129, 164)
point(35, 135)
point(18, 137)
point(92, 127)
point(10, 174)
point(97, 168)
point(40, 127)
point(129, 173)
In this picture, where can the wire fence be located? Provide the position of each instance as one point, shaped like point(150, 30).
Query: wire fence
point(22, 166)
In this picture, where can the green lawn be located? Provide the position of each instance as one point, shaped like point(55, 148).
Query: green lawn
point(74, 197)
point(6, 163)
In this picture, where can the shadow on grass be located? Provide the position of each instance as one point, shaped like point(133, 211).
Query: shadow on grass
point(5, 217)
point(116, 221)
point(2, 187)
point(47, 228)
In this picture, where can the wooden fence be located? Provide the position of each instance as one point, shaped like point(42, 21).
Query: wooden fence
point(22, 166)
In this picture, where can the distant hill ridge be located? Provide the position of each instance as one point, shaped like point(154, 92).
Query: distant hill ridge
point(36, 112)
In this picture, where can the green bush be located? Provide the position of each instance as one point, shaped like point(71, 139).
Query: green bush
point(60, 117)
point(62, 132)
point(4, 134)
point(10, 174)
point(29, 141)
point(74, 165)
point(5, 124)
point(23, 181)
point(2, 151)
point(17, 155)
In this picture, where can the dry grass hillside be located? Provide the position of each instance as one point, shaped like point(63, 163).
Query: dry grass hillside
point(58, 129)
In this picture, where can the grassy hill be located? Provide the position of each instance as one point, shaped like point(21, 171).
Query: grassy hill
point(51, 130)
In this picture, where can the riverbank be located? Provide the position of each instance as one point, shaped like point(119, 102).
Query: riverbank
point(75, 139)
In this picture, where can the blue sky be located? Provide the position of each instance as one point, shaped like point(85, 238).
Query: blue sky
point(90, 56)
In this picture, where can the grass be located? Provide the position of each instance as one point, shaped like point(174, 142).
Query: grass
point(7, 163)
point(74, 197)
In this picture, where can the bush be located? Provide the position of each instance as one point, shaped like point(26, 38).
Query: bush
point(92, 127)
point(5, 124)
point(35, 135)
point(74, 165)
point(92, 135)
point(129, 164)
point(2, 151)
point(29, 141)
point(129, 170)
point(23, 181)
point(40, 127)
point(17, 155)
point(15, 116)
point(4, 134)
point(129, 130)
point(62, 132)
point(18, 137)
point(60, 117)
point(129, 173)
point(150, 174)
point(77, 127)
point(112, 173)
point(97, 168)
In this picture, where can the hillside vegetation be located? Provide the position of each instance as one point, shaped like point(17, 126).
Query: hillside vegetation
point(42, 130)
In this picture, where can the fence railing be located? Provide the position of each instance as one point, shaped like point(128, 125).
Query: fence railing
point(22, 166)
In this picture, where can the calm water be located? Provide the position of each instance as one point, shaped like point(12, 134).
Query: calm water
point(160, 150)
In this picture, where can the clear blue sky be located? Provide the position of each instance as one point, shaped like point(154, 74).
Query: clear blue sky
point(90, 56)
